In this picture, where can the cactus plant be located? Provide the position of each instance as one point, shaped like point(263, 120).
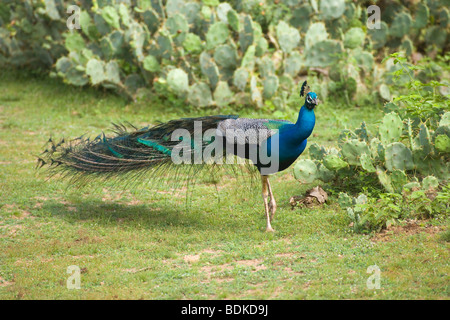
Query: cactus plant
point(401, 25)
point(390, 128)
point(421, 16)
point(209, 69)
point(367, 163)
point(222, 11)
point(270, 84)
point(353, 149)
point(425, 140)
point(261, 46)
point(332, 9)
point(398, 156)
point(334, 162)
point(266, 67)
point(384, 179)
point(379, 36)
point(255, 92)
point(345, 200)
point(248, 61)
point(294, 63)
point(430, 182)
point(112, 72)
point(177, 26)
point(223, 95)
point(226, 56)
point(305, 171)
point(398, 180)
point(240, 78)
point(199, 95)
point(178, 81)
point(323, 53)
point(217, 34)
point(324, 174)
point(151, 19)
point(246, 35)
point(317, 152)
point(288, 37)
point(95, 71)
point(192, 43)
point(301, 17)
point(150, 63)
point(317, 32)
point(233, 20)
point(354, 38)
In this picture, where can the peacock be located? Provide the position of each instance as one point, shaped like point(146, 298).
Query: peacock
point(269, 145)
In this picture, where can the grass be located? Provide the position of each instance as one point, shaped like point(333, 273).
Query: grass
point(154, 244)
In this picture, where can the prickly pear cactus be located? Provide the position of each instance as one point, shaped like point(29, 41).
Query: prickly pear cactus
point(270, 84)
point(401, 25)
point(223, 95)
point(391, 128)
point(323, 53)
point(209, 69)
point(288, 37)
point(240, 78)
point(246, 35)
point(334, 162)
point(332, 9)
point(178, 81)
point(354, 38)
point(145, 39)
point(353, 149)
point(200, 95)
point(305, 171)
point(217, 34)
point(399, 157)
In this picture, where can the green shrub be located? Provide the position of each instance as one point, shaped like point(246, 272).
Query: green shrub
point(128, 45)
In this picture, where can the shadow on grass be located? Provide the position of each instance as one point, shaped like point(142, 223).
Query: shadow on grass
point(144, 215)
point(149, 216)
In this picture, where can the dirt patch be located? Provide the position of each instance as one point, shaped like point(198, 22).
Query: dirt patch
point(290, 271)
point(212, 252)
point(4, 283)
point(135, 270)
point(11, 230)
point(411, 227)
point(285, 255)
point(191, 258)
point(211, 271)
point(256, 264)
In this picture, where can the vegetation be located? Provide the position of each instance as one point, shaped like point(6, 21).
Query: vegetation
point(380, 148)
point(142, 242)
point(221, 53)
point(403, 154)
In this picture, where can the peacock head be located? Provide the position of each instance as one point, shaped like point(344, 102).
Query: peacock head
point(311, 97)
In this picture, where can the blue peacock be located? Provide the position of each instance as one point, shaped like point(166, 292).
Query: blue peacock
point(269, 145)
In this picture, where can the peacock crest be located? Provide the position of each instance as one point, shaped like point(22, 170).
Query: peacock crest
point(305, 89)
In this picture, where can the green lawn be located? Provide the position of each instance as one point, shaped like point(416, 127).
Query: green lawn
point(150, 243)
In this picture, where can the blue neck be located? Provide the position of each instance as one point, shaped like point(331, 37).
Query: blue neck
point(305, 123)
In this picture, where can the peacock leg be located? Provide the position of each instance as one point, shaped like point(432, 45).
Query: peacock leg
point(272, 203)
point(265, 194)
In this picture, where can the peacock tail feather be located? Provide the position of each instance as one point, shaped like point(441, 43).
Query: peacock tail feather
point(133, 155)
